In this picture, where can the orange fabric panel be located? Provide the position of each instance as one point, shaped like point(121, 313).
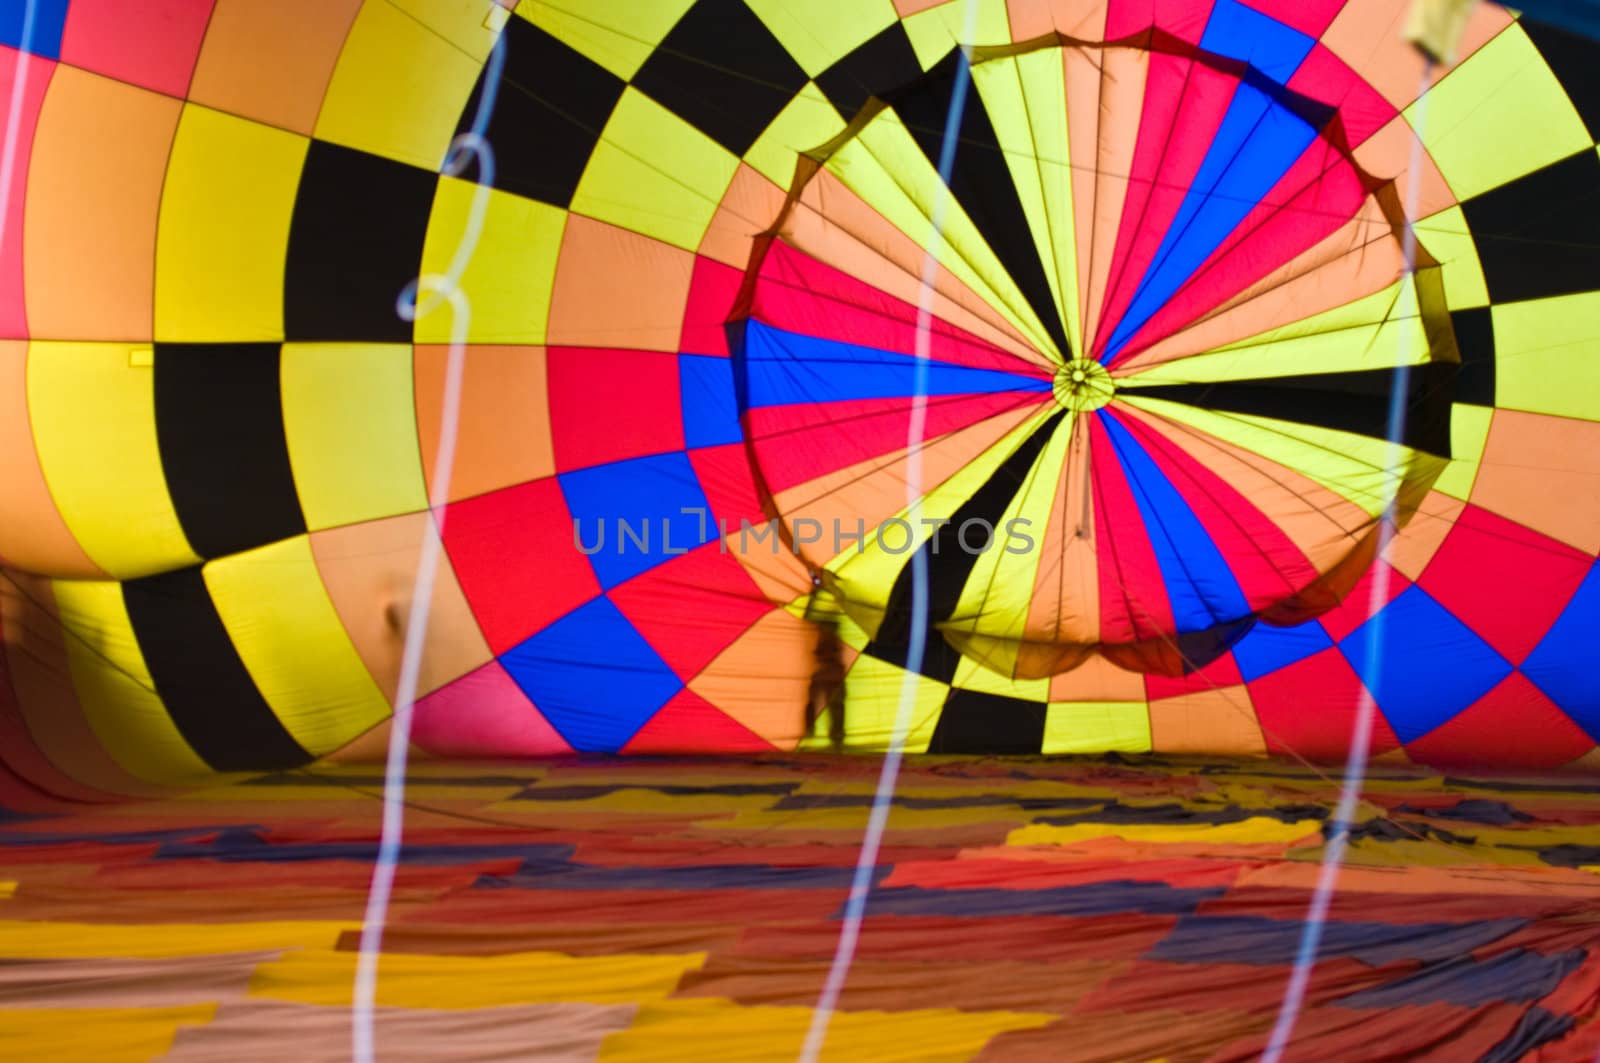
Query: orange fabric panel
point(1563, 498)
point(504, 436)
point(761, 680)
point(1367, 35)
point(616, 288)
point(94, 191)
point(1100, 83)
point(1097, 679)
point(32, 534)
point(749, 207)
point(1205, 720)
point(1082, 19)
point(1411, 550)
point(272, 62)
point(370, 571)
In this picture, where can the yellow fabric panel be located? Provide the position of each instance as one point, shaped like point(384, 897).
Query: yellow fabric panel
point(114, 685)
point(398, 89)
point(1352, 466)
point(695, 1030)
point(1546, 355)
point(885, 167)
point(970, 675)
point(817, 33)
point(654, 173)
point(1448, 239)
point(224, 234)
point(1256, 829)
point(620, 37)
point(1026, 99)
point(1097, 727)
point(106, 1035)
point(39, 940)
point(470, 25)
point(872, 698)
point(407, 980)
point(508, 280)
point(352, 433)
point(94, 419)
point(1469, 431)
point(1497, 116)
point(808, 122)
point(938, 29)
point(293, 644)
point(1378, 331)
point(1000, 587)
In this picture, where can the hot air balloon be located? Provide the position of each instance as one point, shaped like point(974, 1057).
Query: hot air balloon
point(1151, 345)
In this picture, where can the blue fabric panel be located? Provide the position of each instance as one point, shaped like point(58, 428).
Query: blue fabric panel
point(1514, 975)
point(559, 875)
point(1199, 583)
point(1267, 648)
point(783, 368)
point(1260, 941)
point(1564, 663)
point(44, 35)
point(1430, 665)
point(1257, 142)
point(1241, 32)
point(1100, 898)
point(647, 494)
point(710, 411)
point(593, 676)
point(1536, 1027)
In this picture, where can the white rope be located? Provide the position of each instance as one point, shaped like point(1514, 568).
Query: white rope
point(883, 797)
point(421, 297)
point(1361, 734)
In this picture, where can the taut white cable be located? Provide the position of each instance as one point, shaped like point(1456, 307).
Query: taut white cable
point(421, 297)
point(883, 797)
point(1361, 734)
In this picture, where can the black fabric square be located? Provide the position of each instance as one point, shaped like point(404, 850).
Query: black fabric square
point(552, 104)
point(721, 70)
point(1572, 60)
point(1539, 236)
point(219, 426)
point(875, 68)
point(990, 724)
point(354, 244)
point(1474, 330)
point(201, 679)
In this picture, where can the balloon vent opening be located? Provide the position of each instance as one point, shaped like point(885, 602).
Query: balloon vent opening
point(1084, 384)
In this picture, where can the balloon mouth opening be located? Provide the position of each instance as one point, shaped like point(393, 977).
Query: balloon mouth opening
point(1082, 385)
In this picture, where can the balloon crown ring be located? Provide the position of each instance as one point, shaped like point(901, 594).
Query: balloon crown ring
point(1083, 384)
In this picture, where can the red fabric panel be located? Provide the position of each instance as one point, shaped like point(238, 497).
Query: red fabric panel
point(690, 723)
point(1325, 77)
point(690, 609)
point(1506, 582)
point(1356, 608)
point(816, 439)
point(1014, 874)
point(1309, 708)
point(1133, 597)
point(1184, 19)
point(606, 405)
point(725, 476)
point(798, 293)
point(1513, 726)
point(153, 43)
point(513, 554)
point(1222, 672)
point(713, 287)
point(13, 317)
point(1184, 103)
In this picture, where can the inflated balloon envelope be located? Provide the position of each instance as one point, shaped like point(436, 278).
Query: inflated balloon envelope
point(1168, 298)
